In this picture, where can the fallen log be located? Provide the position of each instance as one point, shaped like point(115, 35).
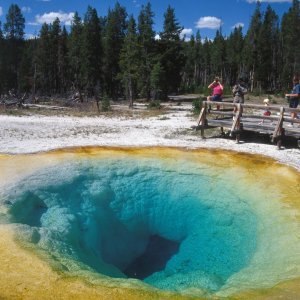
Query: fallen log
point(14, 101)
point(52, 107)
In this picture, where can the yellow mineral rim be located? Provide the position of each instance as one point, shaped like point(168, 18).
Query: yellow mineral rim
point(28, 273)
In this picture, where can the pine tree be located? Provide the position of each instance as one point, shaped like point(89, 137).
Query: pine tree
point(75, 56)
point(2, 61)
point(157, 81)
point(63, 63)
point(189, 68)
point(172, 59)
point(251, 49)
point(14, 33)
point(115, 31)
point(99, 55)
point(268, 48)
point(92, 53)
point(290, 28)
point(218, 54)
point(43, 60)
point(206, 61)
point(234, 59)
point(15, 23)
point(147, 48)
point(172, 29)
point(198, 60)
point(55, 33)
point(129, 61)
point(26, 67)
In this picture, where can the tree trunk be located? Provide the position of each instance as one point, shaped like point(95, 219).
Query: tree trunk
point(252, 79)
point(34, 84)
point(130, 91)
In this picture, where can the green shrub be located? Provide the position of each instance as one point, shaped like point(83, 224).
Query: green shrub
point(197, 105)
point(105, 104)
point(154, 104)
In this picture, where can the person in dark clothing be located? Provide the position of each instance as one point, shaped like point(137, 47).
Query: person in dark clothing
point(238, 91)
point(294, 96)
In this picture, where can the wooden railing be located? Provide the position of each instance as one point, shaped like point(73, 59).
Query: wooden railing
point(238, 117)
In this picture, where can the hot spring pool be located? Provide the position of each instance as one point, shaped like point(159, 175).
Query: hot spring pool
point(148, 223)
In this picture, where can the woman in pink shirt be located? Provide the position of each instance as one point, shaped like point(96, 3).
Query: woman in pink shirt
point(217, 93)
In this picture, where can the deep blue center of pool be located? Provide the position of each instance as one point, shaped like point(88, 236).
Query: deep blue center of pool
point(170, 226)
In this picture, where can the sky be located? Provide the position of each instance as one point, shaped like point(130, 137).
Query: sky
point(205, 15)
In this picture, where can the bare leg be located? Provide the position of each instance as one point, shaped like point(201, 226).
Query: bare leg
point(293, 116)
point(234, 111)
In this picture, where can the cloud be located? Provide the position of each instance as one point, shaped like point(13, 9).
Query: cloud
point(30, 36)
point(136, 4)
point(1, 11)
point(26, 9)
point(209, 22)
point(50, 17)
point(157, 37)
point(186, 34)
point(237, 25)
point(269, 1)
point(203, 41)
point(187, 31)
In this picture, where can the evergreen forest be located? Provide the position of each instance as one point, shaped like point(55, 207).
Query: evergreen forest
point(118, 56)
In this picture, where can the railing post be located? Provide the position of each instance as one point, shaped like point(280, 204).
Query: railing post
point(237, 117)
point(202, 118)
point(278, 131)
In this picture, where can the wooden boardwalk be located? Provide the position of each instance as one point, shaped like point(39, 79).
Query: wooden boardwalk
point(249, 117)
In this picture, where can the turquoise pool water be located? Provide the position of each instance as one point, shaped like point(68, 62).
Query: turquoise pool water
point(170, 223)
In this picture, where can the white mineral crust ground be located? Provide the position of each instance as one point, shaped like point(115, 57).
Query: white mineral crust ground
point(35, 133)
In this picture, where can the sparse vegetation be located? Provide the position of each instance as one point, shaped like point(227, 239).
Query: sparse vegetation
point(197, 105)
point(154, 104)
point(105, 104)
point(163, 118)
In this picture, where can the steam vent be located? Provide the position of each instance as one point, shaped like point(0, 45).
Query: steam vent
point(155, 223)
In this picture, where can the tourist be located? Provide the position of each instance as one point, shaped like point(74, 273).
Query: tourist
point(267, 112)
point(238, 91)
point(217, 91)
point(294, 96)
